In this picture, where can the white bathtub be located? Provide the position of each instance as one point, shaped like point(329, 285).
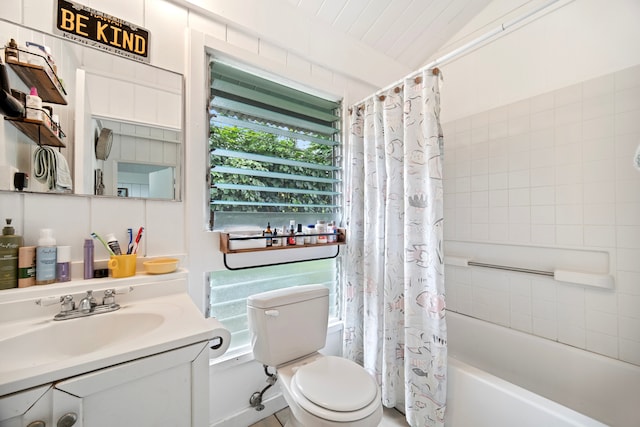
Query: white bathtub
point(499, 377)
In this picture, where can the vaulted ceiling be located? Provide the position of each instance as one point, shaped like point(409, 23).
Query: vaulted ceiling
point(409, 31)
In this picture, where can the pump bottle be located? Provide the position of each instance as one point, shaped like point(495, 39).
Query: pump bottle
point(9, 244)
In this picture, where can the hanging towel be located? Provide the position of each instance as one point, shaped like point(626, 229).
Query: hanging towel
point(51, 168)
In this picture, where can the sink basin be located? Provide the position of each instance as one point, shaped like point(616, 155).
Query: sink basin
point(49, 341)
point(155, 316)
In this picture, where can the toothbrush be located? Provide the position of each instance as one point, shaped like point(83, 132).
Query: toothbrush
point(95, 236)
point(130, 247)
point(138, 237)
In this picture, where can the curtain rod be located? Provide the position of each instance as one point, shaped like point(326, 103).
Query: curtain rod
point(466, 47)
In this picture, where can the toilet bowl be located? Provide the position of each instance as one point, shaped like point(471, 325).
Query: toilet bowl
point(288, 327)
point(327, 391)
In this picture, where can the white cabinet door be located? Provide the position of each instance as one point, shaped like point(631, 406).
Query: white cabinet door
point(150, 392)
point(27, 408)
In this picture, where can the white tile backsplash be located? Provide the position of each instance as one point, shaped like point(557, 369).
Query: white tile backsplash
point(556, 171)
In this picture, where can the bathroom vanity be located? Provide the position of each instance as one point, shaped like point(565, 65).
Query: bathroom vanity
point(144, 364)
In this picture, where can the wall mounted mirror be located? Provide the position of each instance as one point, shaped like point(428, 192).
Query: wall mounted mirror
point(120, 120)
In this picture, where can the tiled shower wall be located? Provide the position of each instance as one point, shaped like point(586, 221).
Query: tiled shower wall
point(555, 170)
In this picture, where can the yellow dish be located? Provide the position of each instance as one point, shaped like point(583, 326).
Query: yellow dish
point(160, 265)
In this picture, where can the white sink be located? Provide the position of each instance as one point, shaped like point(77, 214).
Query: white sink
point(49, 341)
point(156, 316)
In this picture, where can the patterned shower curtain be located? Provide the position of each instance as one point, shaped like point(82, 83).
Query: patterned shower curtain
point(394, 296)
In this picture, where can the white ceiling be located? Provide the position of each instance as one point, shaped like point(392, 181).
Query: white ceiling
point(409, 31)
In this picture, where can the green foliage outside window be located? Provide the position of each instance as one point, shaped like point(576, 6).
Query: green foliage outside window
point(267, 144)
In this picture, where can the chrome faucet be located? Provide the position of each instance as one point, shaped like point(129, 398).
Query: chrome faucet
point(88, 303)
point(87, 306)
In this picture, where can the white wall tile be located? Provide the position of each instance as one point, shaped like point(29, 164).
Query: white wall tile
point(543, 195)
point(498, 130)
point(545, 138)
point(629, 305)
point(519, 125)
point(567, 114)
point(603, 85)
point(544, 235)
point(498, 215)
point(599, 106)
point(480, 135)
point(542, 102)
point(627, 259)
point(543, 176)
point(630, 351)
point(604, 127)
point(625, 145)
point(628, 282)
point(568, 134)
point(520, 197)
point(626, 122)
point(599, 214)
point(627, 78)
point(628, 237)
point(480, 183)
point(629, 328)
point(563, 177)
point(569, 235)
point(568, 95)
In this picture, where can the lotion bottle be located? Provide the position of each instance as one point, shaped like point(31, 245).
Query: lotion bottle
point(34, 105)
point(46, 258)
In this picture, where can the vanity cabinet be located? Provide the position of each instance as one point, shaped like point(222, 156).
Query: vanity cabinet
point(161, 390)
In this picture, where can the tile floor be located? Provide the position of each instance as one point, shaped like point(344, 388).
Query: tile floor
point(390, 418)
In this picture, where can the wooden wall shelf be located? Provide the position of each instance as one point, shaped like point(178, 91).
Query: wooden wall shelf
point(225, 247)
point(37, 131)
point(36, 76)
point(238, 259)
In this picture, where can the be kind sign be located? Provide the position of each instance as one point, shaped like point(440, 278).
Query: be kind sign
point(97, 29)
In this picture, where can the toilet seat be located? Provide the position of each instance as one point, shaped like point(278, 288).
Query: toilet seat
point(334, 388)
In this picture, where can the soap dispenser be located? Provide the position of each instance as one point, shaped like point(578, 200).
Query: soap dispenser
point(9, 244)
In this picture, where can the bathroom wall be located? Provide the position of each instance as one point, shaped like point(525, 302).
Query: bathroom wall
point(317, 59)
point(539, 141)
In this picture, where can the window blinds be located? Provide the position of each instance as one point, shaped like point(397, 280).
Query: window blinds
point(273, 148)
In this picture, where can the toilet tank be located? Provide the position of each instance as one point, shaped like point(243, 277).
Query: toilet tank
point(289, 323)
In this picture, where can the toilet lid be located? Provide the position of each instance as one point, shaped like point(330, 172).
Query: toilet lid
point(337, 384)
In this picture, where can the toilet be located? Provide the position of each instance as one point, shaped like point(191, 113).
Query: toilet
point(288, 327)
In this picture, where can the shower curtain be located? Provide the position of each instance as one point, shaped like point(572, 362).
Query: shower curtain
point(394, 306)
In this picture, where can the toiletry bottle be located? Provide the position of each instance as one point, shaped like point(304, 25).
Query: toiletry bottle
point(299, 236)
point(88, 258)
point(9, 244)
point(291, 238)
point(11, 50)
point(46, 256)
point(331, 228)
point(321, 229)
point(311, 231)
point(275, 241)
point(268, 234)
point(63, 264)
point(26, 266)
point(34, 105)
point(113, 244)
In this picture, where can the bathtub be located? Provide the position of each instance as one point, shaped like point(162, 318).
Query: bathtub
point(499, 377)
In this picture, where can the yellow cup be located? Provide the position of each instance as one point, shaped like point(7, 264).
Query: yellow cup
point(122, 265)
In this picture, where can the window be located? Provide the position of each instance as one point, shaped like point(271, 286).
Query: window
point(275, 156)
